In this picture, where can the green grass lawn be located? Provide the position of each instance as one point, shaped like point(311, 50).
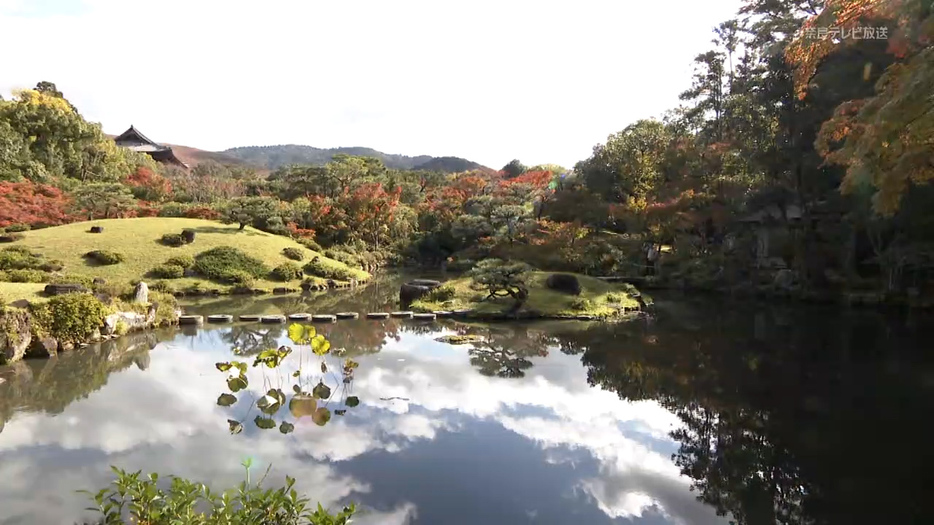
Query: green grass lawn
point(598, 298)
point(137, 239)
point(31, 292)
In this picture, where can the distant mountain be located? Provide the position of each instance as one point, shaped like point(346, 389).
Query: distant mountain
point(272, 157)
point(195, 156)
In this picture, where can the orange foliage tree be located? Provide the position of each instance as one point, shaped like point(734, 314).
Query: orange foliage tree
point(32, 204)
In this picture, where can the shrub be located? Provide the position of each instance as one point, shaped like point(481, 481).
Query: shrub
point(185, 261)
point(443, 293)
point(105, 257)
point(319, 268)
point(162, 286)
point(203, 212)
point(166, 309)
point(70, 278)
point(217, 263)
point(189, 236)
point(286, 272)
point(124, 290)
point(580, 304)
point(167, 271)
point(27, 276)
point(70, 318)
point(172, 239)
point(147, 499)
point(52, 266)
point(16, 228)
point(293, 253)
point(239, 278)
point(346, 257)
point(11, 237)
point(19, 258)
point(310, 244)
point(614, 298)
point(121, 327)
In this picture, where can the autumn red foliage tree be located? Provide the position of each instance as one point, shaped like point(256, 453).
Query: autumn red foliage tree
point(149, 186)
point(32, 204)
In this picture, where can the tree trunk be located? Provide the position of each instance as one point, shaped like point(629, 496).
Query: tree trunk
point(243, 225)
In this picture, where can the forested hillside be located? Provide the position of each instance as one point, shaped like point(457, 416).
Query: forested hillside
point(794, 161)
point(273, 157)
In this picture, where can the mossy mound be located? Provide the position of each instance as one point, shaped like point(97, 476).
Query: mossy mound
point(598, 299)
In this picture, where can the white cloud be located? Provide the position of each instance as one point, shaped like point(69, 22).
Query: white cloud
point(490, 81)
point(166, 419)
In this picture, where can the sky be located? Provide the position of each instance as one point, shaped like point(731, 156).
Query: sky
point(542, 81)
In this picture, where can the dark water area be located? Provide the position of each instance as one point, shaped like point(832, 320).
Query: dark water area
point(758, 413)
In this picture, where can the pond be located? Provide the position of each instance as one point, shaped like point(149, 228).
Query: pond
point(758, 413)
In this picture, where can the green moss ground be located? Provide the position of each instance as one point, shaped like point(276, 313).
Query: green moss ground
point(543, 300)
point(10, 292)
point(137, 239)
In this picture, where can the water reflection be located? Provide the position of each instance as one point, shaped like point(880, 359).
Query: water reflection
point(539, 423)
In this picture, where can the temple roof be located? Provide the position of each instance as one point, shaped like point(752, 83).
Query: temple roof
point(136, 141)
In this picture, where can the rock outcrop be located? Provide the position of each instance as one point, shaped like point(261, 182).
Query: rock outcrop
point(564, 282)
point(416, 289)
point(15, 335)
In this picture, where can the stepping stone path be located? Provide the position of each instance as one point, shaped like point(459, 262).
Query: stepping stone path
point(220, 318)
point(443, 313)
point(377, 315)
point(348, 315)
point(402, 315)
point(324, 318)
point(425, 317)
point(190, 319)
point(249, 318)
point(299, 317)
point(272, 319)
point(460, 313)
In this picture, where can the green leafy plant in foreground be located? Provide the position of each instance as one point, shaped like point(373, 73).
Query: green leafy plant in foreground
point(149, 499)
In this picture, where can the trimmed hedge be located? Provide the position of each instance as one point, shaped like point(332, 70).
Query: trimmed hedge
point(240, 278)
point(286, 272)
point(167, 271)
point(185, 261)
point(105, 257)
point(293, 253)
point(172, 239)
point(27, 276)
point(219, 263)
point(16, 228)
point(310, 244)
point(11, 237)
point(70, 318)
point(318, 268)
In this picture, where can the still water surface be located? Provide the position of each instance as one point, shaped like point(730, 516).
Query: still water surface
point(772, 414)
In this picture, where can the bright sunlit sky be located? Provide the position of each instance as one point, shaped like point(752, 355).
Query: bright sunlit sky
point(541, 81)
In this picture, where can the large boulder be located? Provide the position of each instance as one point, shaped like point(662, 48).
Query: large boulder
point(15, 335)
point(62, 289)
point(564, 282)
point(416, 289)
point(141, 293)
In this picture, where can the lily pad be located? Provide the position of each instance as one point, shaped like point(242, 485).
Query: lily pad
point(321, 416)
point(235, 426)
point(321, 391)
point(265, 423)
point(302, 405)
point(340, 412)
point(324, 368)
point(320, 345)
point(301, 334)
point(286, 427)
point(225, 400)
point(352, 401)
point(271, 402)
point(236, 384)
